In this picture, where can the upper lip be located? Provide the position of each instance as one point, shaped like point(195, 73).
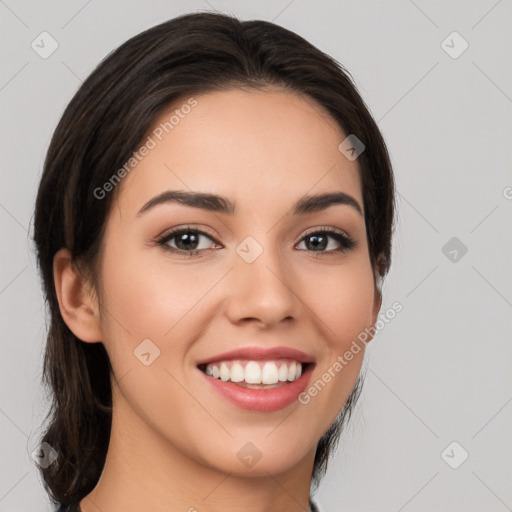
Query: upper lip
point(260, 354)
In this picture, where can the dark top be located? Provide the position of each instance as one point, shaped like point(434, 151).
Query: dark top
point(76, 508)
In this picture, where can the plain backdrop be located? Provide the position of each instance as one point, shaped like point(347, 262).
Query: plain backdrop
point(436, 75)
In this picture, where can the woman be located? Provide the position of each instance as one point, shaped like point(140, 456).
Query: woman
point(213, 224)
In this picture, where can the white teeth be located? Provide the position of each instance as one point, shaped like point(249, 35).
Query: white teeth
point(269, 374)
point(283, 373)
point(224, 372)
point(237, 373)
point(255, 372)
point(291, 372)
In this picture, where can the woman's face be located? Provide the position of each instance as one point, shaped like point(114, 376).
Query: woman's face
point(259, 277)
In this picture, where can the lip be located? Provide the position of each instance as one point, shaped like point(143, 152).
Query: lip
point(260, 354)
point(263, 400)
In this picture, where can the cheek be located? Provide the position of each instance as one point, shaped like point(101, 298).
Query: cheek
point(342, 298)
point(343, 303)
point(147, 297)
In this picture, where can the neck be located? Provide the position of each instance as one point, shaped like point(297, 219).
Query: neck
point(144, 471)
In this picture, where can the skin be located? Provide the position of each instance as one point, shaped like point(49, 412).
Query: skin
point(174, 440)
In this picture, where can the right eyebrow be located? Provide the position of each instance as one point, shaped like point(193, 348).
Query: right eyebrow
point(211, 202)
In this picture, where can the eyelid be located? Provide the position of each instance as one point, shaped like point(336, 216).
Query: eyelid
point(346, 241)
point(176, 230)
point(329, 229)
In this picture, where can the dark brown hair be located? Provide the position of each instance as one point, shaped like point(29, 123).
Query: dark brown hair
point(98, 132)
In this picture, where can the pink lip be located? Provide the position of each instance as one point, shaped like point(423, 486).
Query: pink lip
point(259, 354)
point(263, 400)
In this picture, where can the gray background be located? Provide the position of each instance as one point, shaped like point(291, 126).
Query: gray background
point(440, 371)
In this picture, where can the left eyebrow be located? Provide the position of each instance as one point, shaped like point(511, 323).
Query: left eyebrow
point(216, 203)
point(319, 202)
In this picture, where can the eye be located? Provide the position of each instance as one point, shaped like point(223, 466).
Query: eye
point(327, 240)
point(186, 241)
point(189, 241)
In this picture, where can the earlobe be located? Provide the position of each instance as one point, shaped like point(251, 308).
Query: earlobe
point(377, 305)
point(78, 305)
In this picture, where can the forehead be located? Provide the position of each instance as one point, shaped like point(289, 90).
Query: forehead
point(255, 147)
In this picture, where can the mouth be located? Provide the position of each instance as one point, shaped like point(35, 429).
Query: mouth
point(257, 379)
point(252, 374)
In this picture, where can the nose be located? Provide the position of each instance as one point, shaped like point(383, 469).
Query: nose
point(261, 291)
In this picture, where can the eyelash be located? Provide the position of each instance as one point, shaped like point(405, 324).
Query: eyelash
point(346, 243)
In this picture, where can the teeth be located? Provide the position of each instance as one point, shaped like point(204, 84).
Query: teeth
point(291, 372)
point(255, 372)
point(237, 373)
point(224, 372)
point(269, 374)
point(283, 373)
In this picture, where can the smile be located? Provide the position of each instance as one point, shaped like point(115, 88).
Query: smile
point(249, 373)
point(259, 379)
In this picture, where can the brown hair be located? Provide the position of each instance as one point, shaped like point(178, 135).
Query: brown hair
point(100, 129)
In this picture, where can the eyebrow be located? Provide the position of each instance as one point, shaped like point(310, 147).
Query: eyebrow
point(216, 203)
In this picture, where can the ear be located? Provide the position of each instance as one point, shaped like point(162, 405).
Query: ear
point(379, 267)
point(377, 304)
point(78, 304)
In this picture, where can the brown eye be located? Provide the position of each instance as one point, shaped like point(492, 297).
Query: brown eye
point(321, 241)
point(186, 241)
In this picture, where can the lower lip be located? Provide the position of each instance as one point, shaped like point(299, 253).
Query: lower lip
point(263, 400)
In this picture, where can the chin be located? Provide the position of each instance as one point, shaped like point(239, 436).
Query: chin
point(260, 455)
